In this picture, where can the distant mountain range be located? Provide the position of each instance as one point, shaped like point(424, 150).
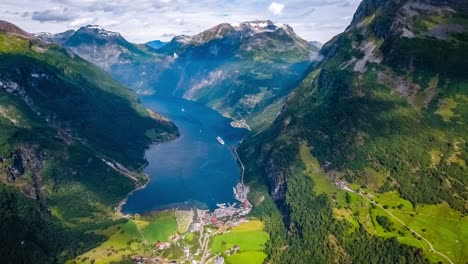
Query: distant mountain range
point(317, 44)
point(156, 44)
point(101, 47)
point(237, 69)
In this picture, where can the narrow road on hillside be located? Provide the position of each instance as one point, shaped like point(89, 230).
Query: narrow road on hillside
point(401, 222)
point(240, 162)
point(204, 247)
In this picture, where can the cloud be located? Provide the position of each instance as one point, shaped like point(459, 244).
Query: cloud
point(53, 15)
point(168, 35)
point(276, 8)
point(316, 57)
point(109, 23)
point(81, 22)
point(180, 21)
point(307, 12)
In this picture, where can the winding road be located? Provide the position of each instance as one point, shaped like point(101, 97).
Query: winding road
point(401, 222)
point(240, 162)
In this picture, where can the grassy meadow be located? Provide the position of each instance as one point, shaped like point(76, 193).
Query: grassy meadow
point(249, 237)
point(445, 228)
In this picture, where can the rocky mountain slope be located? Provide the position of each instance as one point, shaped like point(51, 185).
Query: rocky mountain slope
point(373, 142)
point(72, 142)
point(99, 46)
point(237, 69)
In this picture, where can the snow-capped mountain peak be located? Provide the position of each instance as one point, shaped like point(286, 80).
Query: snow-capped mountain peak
point(259, 26)
point(101, 31)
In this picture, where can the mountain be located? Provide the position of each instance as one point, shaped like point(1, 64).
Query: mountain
point(101, 47)
point(367, 161)
point(239, 70)
point(72, 144)
point(317, 44)
point(156, 44)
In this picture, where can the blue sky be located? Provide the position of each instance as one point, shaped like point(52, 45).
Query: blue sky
point(143, 20)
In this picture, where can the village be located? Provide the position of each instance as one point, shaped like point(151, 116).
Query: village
point(205, 224)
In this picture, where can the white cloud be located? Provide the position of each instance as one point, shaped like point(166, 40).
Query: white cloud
point(276, 8)
point(81, 22)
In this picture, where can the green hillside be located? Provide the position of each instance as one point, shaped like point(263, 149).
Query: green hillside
point(385, 113)
point(61, 120)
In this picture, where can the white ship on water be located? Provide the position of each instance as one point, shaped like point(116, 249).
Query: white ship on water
point(220, 140)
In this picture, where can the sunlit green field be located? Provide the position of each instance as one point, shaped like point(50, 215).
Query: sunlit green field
point(445, 228)
point(249, 237)
point(136, 236)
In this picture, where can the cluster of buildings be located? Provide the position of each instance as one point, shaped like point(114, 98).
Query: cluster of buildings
point(241, 123)
point(225, 215)
point(162, 245)
point(343, 185)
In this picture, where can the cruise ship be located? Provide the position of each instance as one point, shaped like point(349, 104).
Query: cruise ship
point(220, 140)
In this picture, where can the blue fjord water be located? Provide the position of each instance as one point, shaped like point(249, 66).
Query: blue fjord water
point(195, 169)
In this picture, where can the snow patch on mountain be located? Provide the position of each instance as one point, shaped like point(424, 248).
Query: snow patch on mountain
point(102, 32)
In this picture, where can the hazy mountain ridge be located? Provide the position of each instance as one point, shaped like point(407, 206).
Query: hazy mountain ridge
point(156, 44)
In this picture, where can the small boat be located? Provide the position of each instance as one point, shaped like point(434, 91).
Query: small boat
point(183, 110)
point(220, 140)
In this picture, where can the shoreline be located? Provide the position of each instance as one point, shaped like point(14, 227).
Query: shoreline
point(119, 208)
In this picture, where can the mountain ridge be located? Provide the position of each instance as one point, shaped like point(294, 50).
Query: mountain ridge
point(217, 67)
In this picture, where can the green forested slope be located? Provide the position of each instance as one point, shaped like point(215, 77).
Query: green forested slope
point(385, 112)
point(61, 118)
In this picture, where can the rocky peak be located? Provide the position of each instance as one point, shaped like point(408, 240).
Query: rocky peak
point(98, 31)
point(59, 38)
point(236, 31)
point(367, 8)
point(92, 35)
point(259, 26)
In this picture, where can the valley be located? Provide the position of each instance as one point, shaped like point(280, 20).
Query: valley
point(241, 143)
point(218, 67)
point(185, 174)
